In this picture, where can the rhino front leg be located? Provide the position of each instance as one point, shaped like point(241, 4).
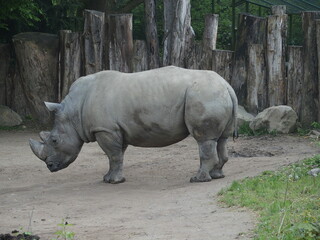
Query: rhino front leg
point(217, 172)
point(113, 146)
point(208, 160)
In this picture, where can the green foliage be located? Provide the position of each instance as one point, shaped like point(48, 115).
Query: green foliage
point(245, 129)
point(63, 232)
point(287, 201)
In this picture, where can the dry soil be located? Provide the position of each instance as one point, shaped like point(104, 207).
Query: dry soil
point(156, 202)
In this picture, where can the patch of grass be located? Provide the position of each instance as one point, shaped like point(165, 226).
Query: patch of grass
point(245, 129)
point(287, 201)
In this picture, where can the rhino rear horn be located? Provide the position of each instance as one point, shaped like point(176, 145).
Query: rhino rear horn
point(44, 135)
point(37, 149)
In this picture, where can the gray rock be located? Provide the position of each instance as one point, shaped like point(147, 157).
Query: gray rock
point(314, 172)
point(243, 116)
point(282, 119)
point(8, 117)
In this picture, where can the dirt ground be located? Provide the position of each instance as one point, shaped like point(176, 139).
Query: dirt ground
point(156, 202)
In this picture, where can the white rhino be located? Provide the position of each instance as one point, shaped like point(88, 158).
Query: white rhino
point(154, 108)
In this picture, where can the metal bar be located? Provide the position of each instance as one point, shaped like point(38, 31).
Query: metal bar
point(312, 5)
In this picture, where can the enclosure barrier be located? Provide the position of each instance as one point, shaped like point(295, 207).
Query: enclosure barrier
point(263, 70)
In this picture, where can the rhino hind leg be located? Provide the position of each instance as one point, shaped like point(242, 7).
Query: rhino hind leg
point(114, 149)
point(217, 172)
point(208, 160)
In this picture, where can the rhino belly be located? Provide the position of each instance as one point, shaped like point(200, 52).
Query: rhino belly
point(156, 133)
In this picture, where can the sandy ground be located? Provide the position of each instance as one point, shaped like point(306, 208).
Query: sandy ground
point(156, 202)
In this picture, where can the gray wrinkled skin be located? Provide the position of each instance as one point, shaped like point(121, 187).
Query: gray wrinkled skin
point(155, 108)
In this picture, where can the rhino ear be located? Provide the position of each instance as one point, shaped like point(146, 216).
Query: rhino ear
point(53, 107)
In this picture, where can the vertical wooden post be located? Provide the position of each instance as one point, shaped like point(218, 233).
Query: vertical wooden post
point(222, 62)
point(4, 69)
point(256, 81)
point(178, 35)
point(93, 41)
point(152, 33)
point(295, 78)
point(70, 60)
point(119, 49)
point(252, 30)
point(276, 44)
point(209, 41)
point(318, 50)
point(310, 94)
point(140, 56)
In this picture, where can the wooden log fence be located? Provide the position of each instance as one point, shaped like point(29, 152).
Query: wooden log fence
point(257, 69)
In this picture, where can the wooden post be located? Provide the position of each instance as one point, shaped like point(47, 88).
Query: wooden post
point(276, 44)
point(295, 78)
point(4, 68)
point(318, 50)
point(119, 49)
point(93, 41)
point(152, 33)
point(209, 41)
point(256, 81)
point(37, 57)
point(178, 33)
point(252, 30)
point(310, 95)
point(210, 31)
point(222, 62)
point(140, 56)
point(70, 60)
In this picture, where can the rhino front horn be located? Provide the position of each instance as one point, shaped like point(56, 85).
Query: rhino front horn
point(37, 149)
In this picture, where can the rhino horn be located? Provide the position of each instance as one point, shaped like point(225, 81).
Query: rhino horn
point(53, 107)
point(37, 149)
point(44, 135)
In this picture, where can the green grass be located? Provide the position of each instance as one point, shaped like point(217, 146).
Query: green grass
point(244, 129)
point(287, 201)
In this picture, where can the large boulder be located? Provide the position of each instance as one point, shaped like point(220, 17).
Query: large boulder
point(243, 116)
point(9, 118)
point(282, 119)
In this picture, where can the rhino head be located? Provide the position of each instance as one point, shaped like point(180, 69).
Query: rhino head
point(61, 146)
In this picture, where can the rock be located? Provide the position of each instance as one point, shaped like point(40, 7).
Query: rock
point(314, 172)
point(8, 117)
point(282, 119)
point(244, 116)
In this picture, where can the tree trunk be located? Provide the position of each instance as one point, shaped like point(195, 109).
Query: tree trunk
point(222, 62)
point(295, 78)
point(152, 34)
point(209, 41)
point(37, 57)
point(194, 57)
point(310, 94)
point(93, 41)
point(251, 30)
point(4, 69)
point(318, 48)
point(15, 96)
point(119, 42)
point(178, 33)
point(70, 60)
point(276, 44)
point(256, 81)
point(140, 58)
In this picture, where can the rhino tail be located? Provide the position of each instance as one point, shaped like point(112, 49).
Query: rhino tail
point(234, 112)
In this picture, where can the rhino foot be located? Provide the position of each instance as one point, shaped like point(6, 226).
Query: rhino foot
point(113, 180)
point(216, 173)
point(201, 177)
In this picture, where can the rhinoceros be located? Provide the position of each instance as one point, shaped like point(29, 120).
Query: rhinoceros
point(154, 108)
